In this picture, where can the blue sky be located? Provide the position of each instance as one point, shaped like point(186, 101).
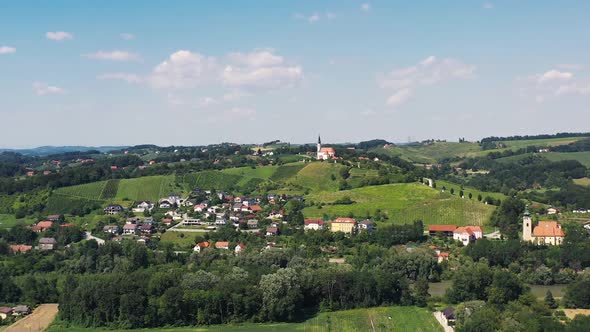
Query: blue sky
point(198, 72)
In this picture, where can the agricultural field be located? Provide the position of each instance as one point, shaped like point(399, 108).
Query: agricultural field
point(318, 177)
point(467, 190)
point(260, 172)
point(582, 181)
point(431, 153)
point(287, 171)
point(9, 220)
point(403, 203)
point(374, 319)
point(582, 157)
point(63, 204)
point(519, 144)
point(150, 188)
point(91, 191)
point(110, 189)
point(211, 180)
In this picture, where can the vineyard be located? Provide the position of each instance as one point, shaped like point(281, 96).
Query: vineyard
point(150, 188)
point(382, 319)
point(212, 180)
point(402, 203)
point(285, 172)
point(110, 189)
point(89, 191)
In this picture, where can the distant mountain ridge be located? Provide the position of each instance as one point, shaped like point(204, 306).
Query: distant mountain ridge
point(48, 150)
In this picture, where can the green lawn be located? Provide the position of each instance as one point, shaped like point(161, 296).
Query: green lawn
point(374, 319)
point(181, 240)
point(9, 220)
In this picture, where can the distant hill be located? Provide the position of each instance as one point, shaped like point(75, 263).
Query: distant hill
point(48, 150)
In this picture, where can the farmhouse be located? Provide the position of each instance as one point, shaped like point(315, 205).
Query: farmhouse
point(222, 245)
point(324, 153)
point(545, 233)
point(42, 226)
point(345, 225)
point(467, 234)
point(446, 230)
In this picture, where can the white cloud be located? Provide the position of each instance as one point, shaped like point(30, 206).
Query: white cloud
point(184, 69)
point(404, 81)
point(127, 77)
point(555, 75)
point(366, 7)
point(7, 49)
point(315, 17)
point(488, 5)
point(553, 84)
point(127, 36)
point(112, 55)
point(41, 88)
point(270, 77)
point(399, 98)
point(59, 35)
point(258, 58)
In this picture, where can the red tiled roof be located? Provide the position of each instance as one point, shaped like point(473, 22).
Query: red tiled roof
point(20, 248)
point(443, 254)
point(319, 222)
point(220, 244)
point(45, 224)
point(442, 228)
point(461, 230)
point(548, 229)
point(256, 208)
point(203, 244)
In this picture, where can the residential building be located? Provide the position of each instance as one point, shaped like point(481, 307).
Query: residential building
point(448, 316)
point(129, 229)
point(252, 223)
point(5, 312)
point(222, 245)
point(445, 230)
point(239, 248)
point(20, 248)
point(201, 246)
point(113, 209)
point(272, 231)
point(345, 225)
point(313, 225)
point(112, 229)
point(467, 234)
point(366, 225)
point(47, 243)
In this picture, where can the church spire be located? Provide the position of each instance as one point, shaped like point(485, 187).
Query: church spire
point(319, 139)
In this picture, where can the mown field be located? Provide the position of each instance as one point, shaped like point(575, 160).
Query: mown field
point(181, 240)
point(467, 190)
point(582, 181)
point(519, 144)
point(373, 319)
point(404, 202)
point(9, 220)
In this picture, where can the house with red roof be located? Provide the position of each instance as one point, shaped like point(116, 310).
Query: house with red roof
point(345, 225)
point(42, 226)
point(313, 224)
point(467, 234)
point(200, 246)
point(20, 248)
point(240, 247)
point(222, 245)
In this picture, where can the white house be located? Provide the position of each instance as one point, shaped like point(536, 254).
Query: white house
point(239, 248)
point(143, 206)
point(467, 234)
point(129, 229)
point(313, 225)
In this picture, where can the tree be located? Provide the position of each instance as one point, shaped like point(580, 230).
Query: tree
point(505, 287)
point(421, 294)
point(479, 198)
point(577, 294)
point(550, 301)
point(281, 295)
point(470, 195)
point(452, 191)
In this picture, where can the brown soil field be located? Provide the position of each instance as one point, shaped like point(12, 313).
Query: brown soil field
point(38, 321)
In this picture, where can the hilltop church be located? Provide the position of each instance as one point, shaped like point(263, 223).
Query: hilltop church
point(324, 153)
point(545, 233)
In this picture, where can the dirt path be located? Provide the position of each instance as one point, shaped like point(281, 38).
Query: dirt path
point(439, 318)
point(38, 321)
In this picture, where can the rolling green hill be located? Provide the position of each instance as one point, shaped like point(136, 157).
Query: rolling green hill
point(381, 319)
point(404, 202)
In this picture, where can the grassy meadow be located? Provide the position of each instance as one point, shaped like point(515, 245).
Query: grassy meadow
point(374, 319)
point(9, 220)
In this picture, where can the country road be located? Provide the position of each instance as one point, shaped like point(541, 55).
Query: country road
point(38, 321)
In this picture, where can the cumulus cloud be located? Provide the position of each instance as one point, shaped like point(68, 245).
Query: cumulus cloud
point(404, 81)
point(7, 50)
point(112, 55)
point(258, 58)
point(127, 36)
point(127, 77)
point(555, 75)
point(59, 35)
point(41, 88)
point(366, 7)
point(553, 84)
point(184, 69)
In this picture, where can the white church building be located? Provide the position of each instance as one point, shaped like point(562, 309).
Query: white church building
point(324, 153)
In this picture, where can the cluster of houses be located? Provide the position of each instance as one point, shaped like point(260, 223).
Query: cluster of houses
point(221, 245)
point(17, 311)
point(44, 243)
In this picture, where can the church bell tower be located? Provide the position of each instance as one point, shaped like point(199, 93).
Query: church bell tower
point(527, 226)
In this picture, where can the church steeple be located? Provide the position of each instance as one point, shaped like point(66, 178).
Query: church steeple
point(319, 140)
